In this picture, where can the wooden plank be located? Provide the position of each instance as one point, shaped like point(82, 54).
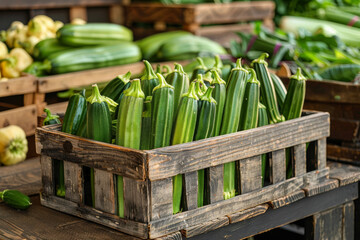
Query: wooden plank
point(16, 86)
point(29, 99)
point(346, 174)
point(116, 14)
point(348, 231)
point(277, 166)
point(173, 236)
point(205, 227)
point(326, 225)
point(209, 212)
point(216, 183)
point(343, 154)
point(57, 108)
point(24, 176)
point(283, 201)
point(248, 213)
point(124, 225)
point(136, 201)
point(83, 78)
point(191, 189)
point(161, 199)
point(340, 110)
point(17, 117)
point(250, 174)
point(167, 162)
point(73, 182)
point(23, 4)
point(47, 175)
point(109, 157)
point(299, 160)
point(316, 176)
point(321, 187)
point(78, 12)
point(321, 153)
point(104, 191)
point(345, 129)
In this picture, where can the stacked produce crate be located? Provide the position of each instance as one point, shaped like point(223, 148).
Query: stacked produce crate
point(218, 22)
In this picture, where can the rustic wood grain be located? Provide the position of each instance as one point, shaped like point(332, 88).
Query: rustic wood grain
point(209, 212)
point(174, 236)
point(17, 86)
point(205, 227)
point(161, 199)
point(17, 117)
point(190, 182)
point(250, 174)
point(340, 110)
point(277, 166)
point(343, 154)
point(321, 153)
point(286, 200)
point(216, 183)
point(299, 160)
point(348, 211)
point(346, 174)
point(248, 213)
point(136, 201)
point(109, 157)
point(73, 182)
point(167, 162)
point(104, 191)
point(321, 187)
point(345, 129)
point(24, 176)
point(47, 174)
point(126, 226)
point(316, 176)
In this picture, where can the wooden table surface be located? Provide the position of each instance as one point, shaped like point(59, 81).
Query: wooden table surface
point(39, 222)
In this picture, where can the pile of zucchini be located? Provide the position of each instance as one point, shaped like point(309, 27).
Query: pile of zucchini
point(162, 109)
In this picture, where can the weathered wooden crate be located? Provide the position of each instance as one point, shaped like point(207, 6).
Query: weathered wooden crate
point(342, 101)
point(67, 10)
point(218, 22)
point(148, 175)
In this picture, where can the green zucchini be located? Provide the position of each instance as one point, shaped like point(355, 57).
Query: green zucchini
point(75, 114)
point(145, 140)
point(93, 34)
point(46, 47)
point(262, 121)
point(50, 118)
point(200, 69)
point(116, 86)
point(219, 94)
point(280, 90)
point(149, 80)
point(15, 199)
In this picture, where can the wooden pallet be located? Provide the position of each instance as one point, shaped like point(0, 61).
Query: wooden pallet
point(148, 175)
point(90, 10)
point(342, 101)
point(215, 21)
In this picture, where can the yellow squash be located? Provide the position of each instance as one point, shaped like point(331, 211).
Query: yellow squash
point(13, 145)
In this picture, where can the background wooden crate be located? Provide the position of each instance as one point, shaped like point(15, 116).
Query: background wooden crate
point(215, 21)
point(65, 11)
point(342, 101)
point(148, 174)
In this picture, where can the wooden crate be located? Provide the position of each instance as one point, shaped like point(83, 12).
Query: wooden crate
point(17, 103)
point(215, 21)
point(90, 10)
point(342, 101)
point(148, 175)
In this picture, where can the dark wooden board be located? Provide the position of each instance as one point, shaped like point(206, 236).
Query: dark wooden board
point(205, 227)
point(340, 110)
point(39, 222)
point(346, 174)
point(348, 231)
point(25, 177)
point(293, 197)
point(109, 157)
point(248, 213)
point(321, 187)
point(345, 129)
point(167, 161)
point(344, 154)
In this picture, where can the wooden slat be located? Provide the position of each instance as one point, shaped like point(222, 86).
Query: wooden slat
point(345, 129)
point(299, 160)
point(167, 162)
point(83, 78)
point(210, 212)
point(73, 182)
point(216, 183)
point(205, 227)
point(283, 201)
point(250, 174)
point(17, 86)
point(29, 99)
point(124, 225)
point(161, 199)
point(57, 108)
point(24, 4)
point(316, 176)
point(321, 187)
point(321, 153)
point(341, 111)
point(327, 225)
point(277, 166)
point(24, 117)
point(173, 236)
point(24, 176)
point(104, 191)
point(346, 174)
point(78, 12)
point(116, 14)
point(248, 213)
point(348, 231)
point(109, 157)
point(136, 201)
point(191, 189)
point(343, 154)
point(47, 175)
